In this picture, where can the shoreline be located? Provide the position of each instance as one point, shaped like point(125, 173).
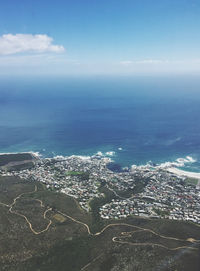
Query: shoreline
point(80, 177)
point(35, 154)
point(167, 166)
point(185, 173)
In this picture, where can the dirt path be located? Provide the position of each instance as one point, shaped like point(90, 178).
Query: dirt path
point(23, 216)
point(116, 239)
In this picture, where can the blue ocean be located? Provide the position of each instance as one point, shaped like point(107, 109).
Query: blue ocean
point(140, 119)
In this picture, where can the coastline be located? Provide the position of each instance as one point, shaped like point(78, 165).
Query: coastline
point(168, 166)
point(34, 154)
point(81, 176)
point(181, 172)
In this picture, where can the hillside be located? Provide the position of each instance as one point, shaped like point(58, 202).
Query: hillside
point(45, 230)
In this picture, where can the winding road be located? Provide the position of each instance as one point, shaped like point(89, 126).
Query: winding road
point(23, 216)
point(116, 239)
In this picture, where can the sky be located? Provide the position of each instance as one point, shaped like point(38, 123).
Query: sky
point(70, 37)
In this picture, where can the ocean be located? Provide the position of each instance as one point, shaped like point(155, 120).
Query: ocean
point(133, 120)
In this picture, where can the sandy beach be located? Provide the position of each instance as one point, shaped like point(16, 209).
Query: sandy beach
point(184, 173)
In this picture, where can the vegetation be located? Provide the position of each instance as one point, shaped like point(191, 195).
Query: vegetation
point(125, 193)
point(140, 184)
point(18, 161)
point(160, 212)
point(67, 244)
point(80, 251)
point(66, 255)
point(191, 181)
point(96, 203)
point(84, 176)
point(25, 165)
point(7, 158)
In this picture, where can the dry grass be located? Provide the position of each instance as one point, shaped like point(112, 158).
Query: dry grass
point(59, 218)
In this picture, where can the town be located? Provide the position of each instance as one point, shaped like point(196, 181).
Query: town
point(148, 191)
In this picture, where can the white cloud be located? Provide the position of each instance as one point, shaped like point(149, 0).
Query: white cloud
point(126, 62)
point(21, 43)
point(159, 66)
point(145, 61)
point(151, 61)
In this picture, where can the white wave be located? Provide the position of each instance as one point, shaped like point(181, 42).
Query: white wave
point(82, 157)
point(191, 159)
point(99, 153)
point(141, 167)
point(110, 153)
point(36, 154)
point(180, 162)
point(120, 149)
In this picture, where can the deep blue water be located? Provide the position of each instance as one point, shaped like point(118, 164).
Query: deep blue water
point(155, 119)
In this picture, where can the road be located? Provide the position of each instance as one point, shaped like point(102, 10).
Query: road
point(116, 239)
point(23, 216)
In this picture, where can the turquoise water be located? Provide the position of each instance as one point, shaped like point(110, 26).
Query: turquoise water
point(140, 119)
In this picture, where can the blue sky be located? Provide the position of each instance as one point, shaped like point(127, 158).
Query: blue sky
point(100, 36)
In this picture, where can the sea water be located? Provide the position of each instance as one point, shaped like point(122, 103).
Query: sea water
point(132, 120)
